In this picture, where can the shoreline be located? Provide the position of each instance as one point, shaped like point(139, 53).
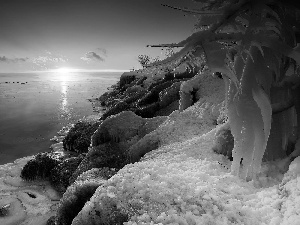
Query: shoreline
point(178, 178)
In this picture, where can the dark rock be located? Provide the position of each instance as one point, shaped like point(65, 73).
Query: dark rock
point(147, 111)
point(169, 95)
point(134, 97)
point(143, 146)
point(166, 111)
point(224, 141)
point(118, 128)
point(77, 195)
point(186, 74)
point(169, 76)
point(120, 107)
point(126, 79)
point(150, 125)
point(79, 137)
point(140, 80)
point(106, 155)
point(153, 94)
point(40, 166)
point(4, 210)
point(107, 213)
point(61, 173)
point(51, 221)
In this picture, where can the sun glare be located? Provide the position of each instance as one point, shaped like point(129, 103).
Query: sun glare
point(64, 70)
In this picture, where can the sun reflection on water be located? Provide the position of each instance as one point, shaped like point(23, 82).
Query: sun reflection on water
point(64, 108)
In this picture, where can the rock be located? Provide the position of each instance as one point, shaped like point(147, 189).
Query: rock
point(106, 155)
point(119, 107)
point(146, 144)
point(150, 125)
point(187, 74)
point(166, 111)
point(153, 93)
point(133, 89)
point(107, 96)
point(51, 221)
point(186, 100)
point(61, 173)
point(78, 138)
point(141, 80)
point(12, 211)
point(224, 141)
point(4, 210)
point(148, 111)
point(126, 78)
point(101, 212)
point(118, 128)
point(40, 166)
point(169, 95)
point(134, 96)
point(77, 195)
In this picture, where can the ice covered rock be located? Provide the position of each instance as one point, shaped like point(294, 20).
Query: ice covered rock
point(113, 138)
point(120, 106)
point(40, 166)
point(169, 95)
point(62, 172)
point(196, 119)
point(117, 128)
point(223, 143)
point(79, 137)
point(78, 194)
point(105, 155)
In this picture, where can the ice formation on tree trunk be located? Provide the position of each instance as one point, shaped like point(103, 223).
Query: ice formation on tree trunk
point(249, 113)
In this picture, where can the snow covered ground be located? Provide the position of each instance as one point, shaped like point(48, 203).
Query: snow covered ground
point(185, 182)
point(27, 203)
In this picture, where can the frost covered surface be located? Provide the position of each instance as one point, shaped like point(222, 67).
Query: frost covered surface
point(185, 182)
point(27, 202)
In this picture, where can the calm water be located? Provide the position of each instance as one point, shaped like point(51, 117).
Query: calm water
point(33, 107)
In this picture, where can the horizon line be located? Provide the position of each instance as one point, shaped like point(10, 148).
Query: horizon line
point(75, 70)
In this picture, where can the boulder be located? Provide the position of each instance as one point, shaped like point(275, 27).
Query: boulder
point(109, 155)
point(148, 143)
point(101, 212)
point(224, 141)
point(166, 111)
point(153, 93)
point(126, 79)
point(118, 128)
point(78, 138)
point(61, 173)
point(150, 125)
point(169, 95)
point(78, 194)
point(113, 138)
point(148, 111)
point(134, 96)
point(41, 165)
point(119, 107)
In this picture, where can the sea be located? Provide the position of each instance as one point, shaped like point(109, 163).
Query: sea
point(35, 106)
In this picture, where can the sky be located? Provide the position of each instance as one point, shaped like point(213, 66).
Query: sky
point(42, 35)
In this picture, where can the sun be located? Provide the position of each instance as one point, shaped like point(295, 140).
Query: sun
point(64, 70)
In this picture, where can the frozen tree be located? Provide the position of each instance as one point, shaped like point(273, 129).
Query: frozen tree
point(253, 44)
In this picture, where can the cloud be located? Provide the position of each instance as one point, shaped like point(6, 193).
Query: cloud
point(92, 56)
point(13, 60)
point(102, 50)
point(49, 60)
point(95, 56)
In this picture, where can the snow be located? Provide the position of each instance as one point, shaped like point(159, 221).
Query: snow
point(184, 182)
point(29, 202)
